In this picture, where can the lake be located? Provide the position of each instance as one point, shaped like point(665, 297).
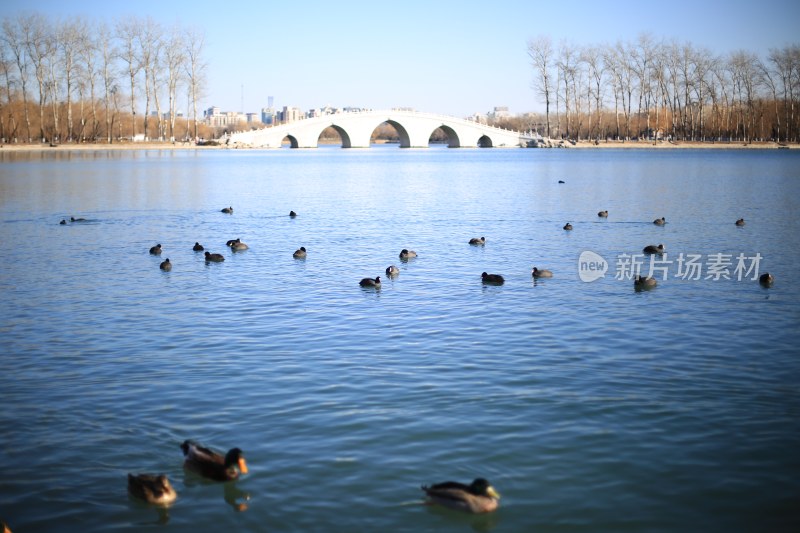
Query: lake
point(589, 406)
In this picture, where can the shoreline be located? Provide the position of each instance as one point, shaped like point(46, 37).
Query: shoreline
point(581, 145)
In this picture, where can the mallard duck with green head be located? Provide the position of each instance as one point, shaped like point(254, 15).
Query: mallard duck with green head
point(477, 497)
point(211, 464)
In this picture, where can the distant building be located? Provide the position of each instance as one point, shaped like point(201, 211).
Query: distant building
point(290, 114)
point(480, 118)
point(216, 118)
point(499, 113)
point(267, 115)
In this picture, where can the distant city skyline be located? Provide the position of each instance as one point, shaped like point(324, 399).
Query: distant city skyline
point(455, 58)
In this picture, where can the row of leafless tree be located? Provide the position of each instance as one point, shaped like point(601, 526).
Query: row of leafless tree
point(649, 88)
point(73, 80)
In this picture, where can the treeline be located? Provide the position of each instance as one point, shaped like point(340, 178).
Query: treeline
point(663, 89)
point(76, 80)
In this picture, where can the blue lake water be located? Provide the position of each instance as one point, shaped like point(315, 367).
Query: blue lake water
point(588, 405)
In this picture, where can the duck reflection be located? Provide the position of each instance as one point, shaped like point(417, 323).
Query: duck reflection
point(234, 496)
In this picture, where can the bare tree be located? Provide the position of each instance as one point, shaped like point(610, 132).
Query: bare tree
point(6, 107)
point(594, 62)
point(642, 62)
point(540, 50)
point(567, 68)
point(149, 41)
point(615, 72)
point(195, 68)
point(784, 72)
point(68, 40)
point(88, 52)
point(39, 45)
point(108, 74)
point(128, 32)
point(176, 61)
point(14, 37)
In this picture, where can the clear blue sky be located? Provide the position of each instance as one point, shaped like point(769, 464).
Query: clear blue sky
point(443, 56)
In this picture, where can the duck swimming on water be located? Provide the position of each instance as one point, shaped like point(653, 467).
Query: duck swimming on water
point(653, 249)
point(477, 497)
point(370, 282)
point(211, 464)
point(151, 488)
point(492, 279)
point(642, 282)
point(238, 246)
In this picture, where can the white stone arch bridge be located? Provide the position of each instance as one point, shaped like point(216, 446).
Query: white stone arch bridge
point(356, 128)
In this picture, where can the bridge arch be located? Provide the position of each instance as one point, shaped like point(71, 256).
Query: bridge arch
point(292, 141)
point(485, 142)
point(453, 141)
point(405, 139)
point(346, 143)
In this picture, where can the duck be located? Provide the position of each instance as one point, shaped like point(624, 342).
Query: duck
point(63, 221)
point(227, 210)
point(642, 282)
point(151, 488)
point(493, 279)
point(238, 246)
point(660, 221)
point(740, 222)
point(561, 181)
point(198, 247)
point(230, 242)
point(392, 271)
point(766, 279)
point(475, 241)
point(73, 219)
point(567, 226)
point(477, 497)
point(300, 253)
point(211, 464)
point(407, 254)
point(603, 214)
point(369, 282)
point(653, 249)
point(217, 258)
point(165, 265)
point(536, 273)
point(155, 250)
point(292, 214)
